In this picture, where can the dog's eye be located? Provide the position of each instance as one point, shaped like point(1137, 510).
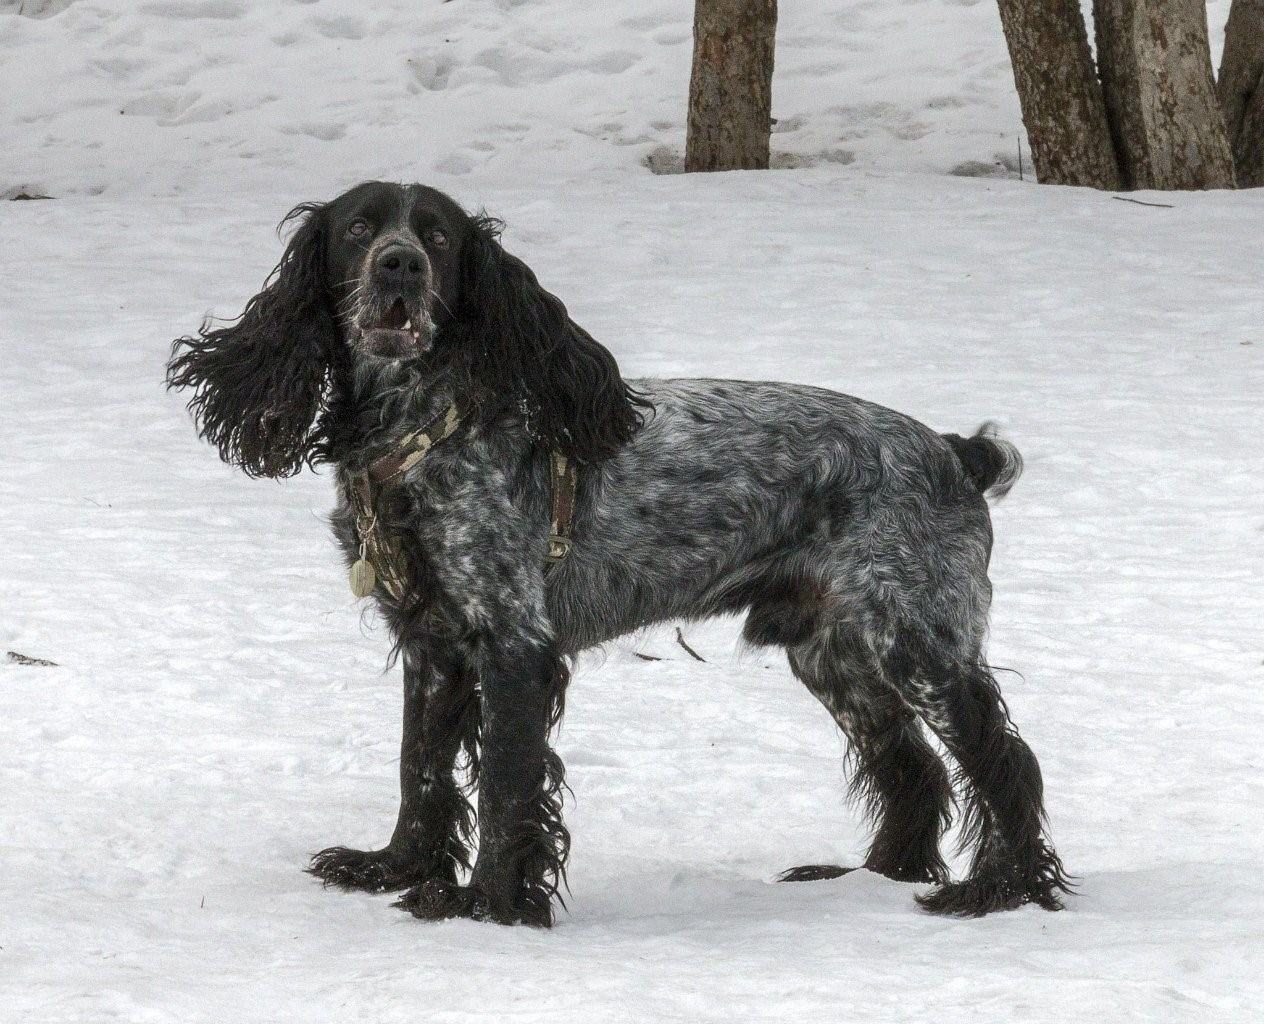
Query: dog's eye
point(437, 238)
point(358, 228)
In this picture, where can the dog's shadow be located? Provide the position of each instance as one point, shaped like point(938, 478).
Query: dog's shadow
point(1146, 901)
point(701, 898)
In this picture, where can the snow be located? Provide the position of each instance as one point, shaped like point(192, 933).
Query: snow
point(219, 709)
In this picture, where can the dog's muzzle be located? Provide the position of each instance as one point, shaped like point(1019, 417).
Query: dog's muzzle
point(395, 320)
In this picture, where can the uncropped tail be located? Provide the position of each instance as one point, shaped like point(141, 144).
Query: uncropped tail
point(991, 462)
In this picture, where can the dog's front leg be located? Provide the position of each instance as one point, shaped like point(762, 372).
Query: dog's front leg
point(432, 833)
point(522, 841)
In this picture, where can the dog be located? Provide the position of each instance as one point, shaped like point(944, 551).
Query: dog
point(509, 500)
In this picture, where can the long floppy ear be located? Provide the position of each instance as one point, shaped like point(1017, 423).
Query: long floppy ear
point(258, 382)
point(517, 340)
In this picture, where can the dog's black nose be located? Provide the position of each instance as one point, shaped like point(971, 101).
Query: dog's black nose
point(400, 264)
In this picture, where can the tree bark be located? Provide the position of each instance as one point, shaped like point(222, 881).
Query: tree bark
point(1061, 98)
point(1155, 64)
point(1241, 89)
point(730, 90)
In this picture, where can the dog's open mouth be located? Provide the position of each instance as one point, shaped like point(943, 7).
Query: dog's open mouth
point(399, 332)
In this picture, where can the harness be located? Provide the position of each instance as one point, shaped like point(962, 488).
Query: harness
point(382, 559)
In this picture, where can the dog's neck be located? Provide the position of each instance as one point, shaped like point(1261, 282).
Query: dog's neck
point(385, 399)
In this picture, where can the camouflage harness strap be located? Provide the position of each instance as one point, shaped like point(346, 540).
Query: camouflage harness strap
point(412, 448)
point(382, 558)
point(564, 478)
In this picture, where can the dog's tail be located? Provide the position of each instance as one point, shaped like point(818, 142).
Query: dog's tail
point(991, 462)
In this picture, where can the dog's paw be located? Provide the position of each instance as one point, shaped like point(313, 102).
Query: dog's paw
point(1043, 883)
point(365, 870)
point(975, 897)
point(439, 900)
point(972, 897)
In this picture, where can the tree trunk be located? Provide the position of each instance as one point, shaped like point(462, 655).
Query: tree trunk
point(730, 90)
point(1241, 89)
point(1155, 64)
point(1058, 89)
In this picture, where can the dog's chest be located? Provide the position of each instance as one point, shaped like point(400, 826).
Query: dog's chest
point(453, 506)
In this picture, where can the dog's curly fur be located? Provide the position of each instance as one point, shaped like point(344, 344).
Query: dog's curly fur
point(853, 536)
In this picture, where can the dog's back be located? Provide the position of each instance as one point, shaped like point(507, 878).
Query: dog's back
point(736, 492)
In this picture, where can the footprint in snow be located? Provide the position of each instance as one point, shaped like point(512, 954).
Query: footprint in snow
point(324, 132)
point(454, 163)
point(199, 113)
point(431, 72)
point(220, 10)
point(641, 22)
point(349, 27)
point(613, 63)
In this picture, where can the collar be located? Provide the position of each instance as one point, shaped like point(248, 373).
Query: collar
point(412, 448)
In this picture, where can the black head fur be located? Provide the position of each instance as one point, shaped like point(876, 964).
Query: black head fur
point(272, 391)
point(514, 338)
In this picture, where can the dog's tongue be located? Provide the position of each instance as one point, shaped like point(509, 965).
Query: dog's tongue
point(395, 318)
point(397, 329)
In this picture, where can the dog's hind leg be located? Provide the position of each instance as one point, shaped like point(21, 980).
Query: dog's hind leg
point(432, 834)
point(1013, 863)
point(902, 780)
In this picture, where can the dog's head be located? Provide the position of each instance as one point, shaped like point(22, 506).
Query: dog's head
point(397, 274)
point(393, 258)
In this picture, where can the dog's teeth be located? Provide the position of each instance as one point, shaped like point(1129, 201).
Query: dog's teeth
point(408, 324)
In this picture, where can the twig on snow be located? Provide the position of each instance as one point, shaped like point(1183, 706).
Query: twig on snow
point(680, 639)
point(26, 659)
point(1142, 202)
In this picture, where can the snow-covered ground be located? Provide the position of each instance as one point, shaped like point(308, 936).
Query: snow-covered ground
point(219, 708)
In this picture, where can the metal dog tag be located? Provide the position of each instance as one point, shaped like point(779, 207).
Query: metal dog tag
point(362, 578)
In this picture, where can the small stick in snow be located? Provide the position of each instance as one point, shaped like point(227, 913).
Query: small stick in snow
point(26, 659)
point(680, 639)
point(1142, 202)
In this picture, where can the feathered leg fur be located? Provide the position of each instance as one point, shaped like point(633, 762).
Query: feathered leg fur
point(433, 832)
point(894, 770)
point(1013, 863)
point(523, 843)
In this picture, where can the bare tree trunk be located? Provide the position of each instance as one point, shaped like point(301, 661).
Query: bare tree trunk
point(1058, 89)
point(1155, 64)
point(730, 91)
point(1241, 89)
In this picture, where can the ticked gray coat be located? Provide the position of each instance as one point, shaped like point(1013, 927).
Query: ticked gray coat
point(852, 536)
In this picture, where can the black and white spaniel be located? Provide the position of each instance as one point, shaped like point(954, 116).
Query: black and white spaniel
point(399, 343)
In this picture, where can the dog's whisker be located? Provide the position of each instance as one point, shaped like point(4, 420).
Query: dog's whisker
point(440, 300)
